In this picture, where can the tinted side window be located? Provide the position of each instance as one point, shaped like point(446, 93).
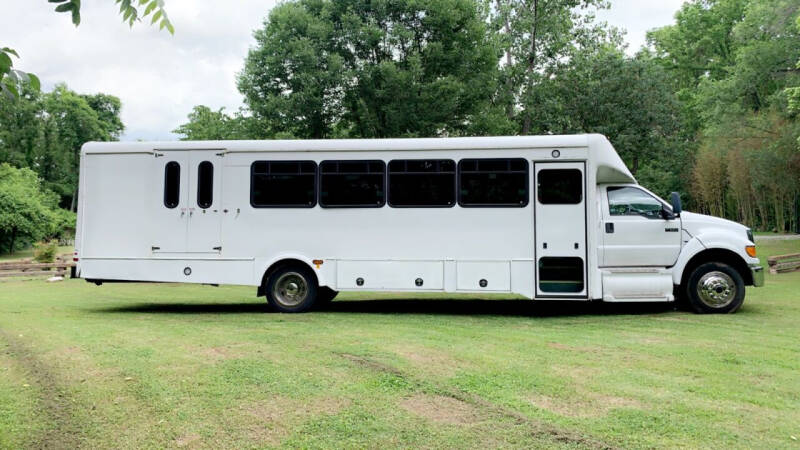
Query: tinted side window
point(559, 186)
point(205, 184)
point(172, 184)
point(629, 201)
point(493, 182)
point(352, 184)
point(422, 182)
point(283, 184)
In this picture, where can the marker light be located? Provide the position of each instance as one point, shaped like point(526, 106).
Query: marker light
point(317, 262)
point(751, 250)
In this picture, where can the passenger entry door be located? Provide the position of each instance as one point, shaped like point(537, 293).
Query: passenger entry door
point(635, 234)
point(205, 199)
point(560, 226)
point(170, 199)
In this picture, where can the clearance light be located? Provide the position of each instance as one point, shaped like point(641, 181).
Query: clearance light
point(317, 262)
point(751, 250)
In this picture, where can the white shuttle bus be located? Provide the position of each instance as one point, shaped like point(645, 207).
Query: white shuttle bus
point(547, 217)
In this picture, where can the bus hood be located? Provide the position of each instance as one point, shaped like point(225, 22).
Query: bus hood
point(700, 224)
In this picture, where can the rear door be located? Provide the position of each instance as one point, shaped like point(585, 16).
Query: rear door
point(170, 200)
point(205, 198)
point(560, 225)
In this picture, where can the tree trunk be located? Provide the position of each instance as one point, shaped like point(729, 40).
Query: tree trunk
point(13, 238)
point(74, 205)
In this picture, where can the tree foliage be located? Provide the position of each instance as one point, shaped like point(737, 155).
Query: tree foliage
point(44, 132)
point(325, 68)
point(206, 124)
point(28, 212)
point(733, 64)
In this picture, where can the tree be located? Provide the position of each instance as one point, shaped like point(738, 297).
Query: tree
point(207, 125)
point(734, 66)
point(44, 132)
point(28, 212)
point(536, 37)
point(12, 80)
point(325, 68)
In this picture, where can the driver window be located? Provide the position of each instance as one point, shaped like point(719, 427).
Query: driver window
point(629, 201)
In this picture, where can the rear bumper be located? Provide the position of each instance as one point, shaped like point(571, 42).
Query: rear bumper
point(758, 275)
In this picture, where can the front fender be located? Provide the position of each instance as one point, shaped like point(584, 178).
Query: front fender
point(708, 241)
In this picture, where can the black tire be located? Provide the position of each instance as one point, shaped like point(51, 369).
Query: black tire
point(325, 295)
point(292, 289)
point(714, 288)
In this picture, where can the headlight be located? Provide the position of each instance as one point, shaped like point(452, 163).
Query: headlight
point(750, 235)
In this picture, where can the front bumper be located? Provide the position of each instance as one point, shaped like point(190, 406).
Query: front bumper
point(758, 275)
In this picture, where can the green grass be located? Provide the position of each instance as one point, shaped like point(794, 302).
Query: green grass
point(147, 365)
point(28, 253)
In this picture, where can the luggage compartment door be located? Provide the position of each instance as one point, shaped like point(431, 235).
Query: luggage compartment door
point(560, 229)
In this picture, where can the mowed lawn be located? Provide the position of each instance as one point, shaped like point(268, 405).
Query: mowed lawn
point(148, 365)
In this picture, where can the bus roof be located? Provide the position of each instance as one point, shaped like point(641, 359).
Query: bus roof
point(610, 168)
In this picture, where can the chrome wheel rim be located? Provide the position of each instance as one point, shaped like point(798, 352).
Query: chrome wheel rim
point(716, 289)
point(291, 289)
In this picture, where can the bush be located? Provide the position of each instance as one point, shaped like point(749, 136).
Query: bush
point(45, 252)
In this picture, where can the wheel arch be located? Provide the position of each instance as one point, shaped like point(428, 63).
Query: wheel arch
point(283, 262)
point(719, 255)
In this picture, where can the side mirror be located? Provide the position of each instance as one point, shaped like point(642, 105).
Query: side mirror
point(666, 214)
point(675, 199)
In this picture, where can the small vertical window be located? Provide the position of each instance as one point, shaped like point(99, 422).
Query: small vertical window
point(422, 183)
point(172, 184)
point(205, 184)
point(283, 184)
point(559, 186)
point(493, 182)
point(352, 184)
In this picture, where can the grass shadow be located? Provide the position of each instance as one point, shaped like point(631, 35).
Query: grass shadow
point(453, 306)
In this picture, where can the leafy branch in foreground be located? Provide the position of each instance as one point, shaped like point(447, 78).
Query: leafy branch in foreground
point(127, 8)
point(11, 80)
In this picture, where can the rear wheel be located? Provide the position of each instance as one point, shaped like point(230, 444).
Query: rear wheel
point(714, 288)
point(292, 289)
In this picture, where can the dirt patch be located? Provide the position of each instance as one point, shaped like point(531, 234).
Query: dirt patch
point(535, 427)
point(55, 402)
point(442, 409)
point(273, 419)
point(431, 361)
point(187, 440)
point(372, 364)
point(219, 353)
point(584, 405)
point(560, 346)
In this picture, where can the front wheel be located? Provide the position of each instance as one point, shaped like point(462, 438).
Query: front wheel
point(292, 289)
point(715, 288)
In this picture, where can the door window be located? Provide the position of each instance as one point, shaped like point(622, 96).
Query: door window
point(205, 184)
point(172, 184)
point(560, 186)
point(630, 201)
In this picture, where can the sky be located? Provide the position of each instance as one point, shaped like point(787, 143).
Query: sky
point(160, 77)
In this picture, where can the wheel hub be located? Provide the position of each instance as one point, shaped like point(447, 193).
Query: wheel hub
point(716, 289)
point(291, 289)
